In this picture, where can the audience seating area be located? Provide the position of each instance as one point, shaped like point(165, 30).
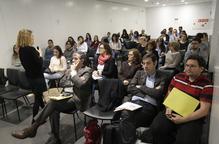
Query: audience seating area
point(110, 91)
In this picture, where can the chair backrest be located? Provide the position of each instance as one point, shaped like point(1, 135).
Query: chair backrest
point(111, 93)
point(23, 81)
point(3, 79)
point(12, 75)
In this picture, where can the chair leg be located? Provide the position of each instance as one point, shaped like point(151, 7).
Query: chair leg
point(85, 120)
point(26, 100)
point(75, 127)
point(3, 111)
point(18, 113)
point(4, 106)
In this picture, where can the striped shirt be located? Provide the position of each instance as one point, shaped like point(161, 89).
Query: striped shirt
point(201, 89)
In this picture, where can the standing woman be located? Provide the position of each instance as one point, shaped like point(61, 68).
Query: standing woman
point(115, 45)
point(31, 60)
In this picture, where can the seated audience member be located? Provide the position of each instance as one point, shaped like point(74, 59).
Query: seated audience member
point(172, 57)
point(147, 89)
point(129, 67)
point(195, 48)
point(171, 34)
point(48, 54)
point(131, 35)
point(15, 57)
point(57, 65)
point(205, 39)
point(82, 45)
point(81, 78)
point(183, 41)
point(142, 44)
point(71, 39)
point(95, 43)
point(135, 36)
point(115, 45)
point(124, 36)
point(69, 50)
point(88, 39)
point(108, 36)
point(161, 50)
point(165, 36)
point(180, 28)
point(151, 48)
point(175, 34)
point(105, 66)
point(168, 127)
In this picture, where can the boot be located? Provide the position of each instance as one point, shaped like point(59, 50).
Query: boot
point(27, 132)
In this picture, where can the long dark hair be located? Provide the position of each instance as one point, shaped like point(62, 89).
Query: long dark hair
point(116, 36)
point(58, 48)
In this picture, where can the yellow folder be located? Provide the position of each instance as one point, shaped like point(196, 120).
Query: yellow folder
point(180, 102)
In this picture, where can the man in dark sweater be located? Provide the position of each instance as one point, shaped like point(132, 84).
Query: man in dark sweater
point(147, 89)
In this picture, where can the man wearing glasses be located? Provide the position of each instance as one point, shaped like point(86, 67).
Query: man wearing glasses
point(147, 89)
point(195, 48)
point(168, 127)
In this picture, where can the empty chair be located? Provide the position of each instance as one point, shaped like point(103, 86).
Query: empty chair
point(13, 78)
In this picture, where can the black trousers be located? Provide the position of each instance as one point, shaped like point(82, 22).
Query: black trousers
point(52, 110)
point(130, 120)
point(38, 86)
point(164, 131)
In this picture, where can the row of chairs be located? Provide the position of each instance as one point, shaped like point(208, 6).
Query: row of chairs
point(17, 87)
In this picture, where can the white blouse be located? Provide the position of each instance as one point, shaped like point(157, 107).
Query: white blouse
point(58, 64)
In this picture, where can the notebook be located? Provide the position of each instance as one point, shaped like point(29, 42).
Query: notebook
point(180, 102)
point(128, 106)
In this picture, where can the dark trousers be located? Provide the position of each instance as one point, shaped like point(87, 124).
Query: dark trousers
point(38, 86)
point(164, 131)
point(134, 119)
point(52, 110)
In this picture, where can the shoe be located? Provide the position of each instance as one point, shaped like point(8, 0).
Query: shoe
point(25, 133)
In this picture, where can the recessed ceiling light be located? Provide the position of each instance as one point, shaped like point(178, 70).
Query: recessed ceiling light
point(69, 3)
point(182, 1)
point(157, 3)
point(146, 0)
point(163, 5)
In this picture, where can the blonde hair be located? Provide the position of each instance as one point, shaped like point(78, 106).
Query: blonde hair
point(175, 45)
point(24, 38)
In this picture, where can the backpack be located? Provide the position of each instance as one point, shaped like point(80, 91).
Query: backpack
point(92, 132)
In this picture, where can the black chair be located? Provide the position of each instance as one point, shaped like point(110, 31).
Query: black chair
point(109, 98)
point(16, 78)
point(12, 83)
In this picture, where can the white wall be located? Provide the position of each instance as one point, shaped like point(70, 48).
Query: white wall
point(214, 66)
point(158, 18)
point(57, 19)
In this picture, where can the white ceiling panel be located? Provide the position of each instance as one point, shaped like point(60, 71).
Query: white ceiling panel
point(154, 3)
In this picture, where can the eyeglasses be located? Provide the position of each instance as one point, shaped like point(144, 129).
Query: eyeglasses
point(190, 66)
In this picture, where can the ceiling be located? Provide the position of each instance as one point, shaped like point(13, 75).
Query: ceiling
point(154, 3)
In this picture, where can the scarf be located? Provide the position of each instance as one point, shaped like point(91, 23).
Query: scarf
point(103, 58)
